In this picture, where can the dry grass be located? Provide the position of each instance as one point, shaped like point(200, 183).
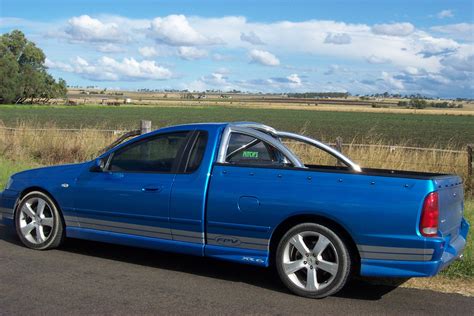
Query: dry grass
point(48, 145)
point(375, 154)
point(285, 106)
point(247, 101)
point(45, 144)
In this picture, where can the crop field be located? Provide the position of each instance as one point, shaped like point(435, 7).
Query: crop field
point(441, 131)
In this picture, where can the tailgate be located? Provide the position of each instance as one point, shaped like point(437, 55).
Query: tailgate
point(451, 204)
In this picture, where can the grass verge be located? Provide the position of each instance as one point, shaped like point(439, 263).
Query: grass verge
point(465, 268)
point(9, 167)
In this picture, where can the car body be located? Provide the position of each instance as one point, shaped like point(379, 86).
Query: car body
point(234, 191)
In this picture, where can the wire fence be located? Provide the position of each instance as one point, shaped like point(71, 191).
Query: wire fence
point(76, 130)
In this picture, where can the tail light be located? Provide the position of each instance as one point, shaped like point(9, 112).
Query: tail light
point(430, 215)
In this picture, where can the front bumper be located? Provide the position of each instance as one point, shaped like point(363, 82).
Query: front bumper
point(446, 251)
point(7, 205)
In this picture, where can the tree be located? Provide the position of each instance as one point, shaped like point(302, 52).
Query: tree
point(418, 103)
point(9, 75)
point(23, 75)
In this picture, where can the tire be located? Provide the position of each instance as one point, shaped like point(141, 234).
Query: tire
point(313, 261)
point(38, 222)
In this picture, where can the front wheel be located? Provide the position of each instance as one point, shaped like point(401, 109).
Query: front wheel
point(313, 261)
point(38, 222)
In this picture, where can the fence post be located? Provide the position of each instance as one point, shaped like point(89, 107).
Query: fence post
point(145, 126)
point(339, 144)
point(469, 179)
point(339, 148)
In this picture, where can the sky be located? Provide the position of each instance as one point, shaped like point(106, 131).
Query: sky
point(360, 47)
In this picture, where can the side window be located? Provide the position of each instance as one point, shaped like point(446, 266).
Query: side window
point(197, 152)
point(244, 149)
point(157, 154)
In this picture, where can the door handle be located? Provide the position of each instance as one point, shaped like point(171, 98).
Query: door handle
point(152, 189)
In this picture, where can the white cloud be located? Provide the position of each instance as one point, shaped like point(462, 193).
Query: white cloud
point(372, 59)
point(307, 37)
point(437, 53)
point(412, 71)
point(275, 84)
point(392, 83)
point(338, 38)
point(86, 29)
point(432, 46)
point(461, 31)
point(219, 80)
point(336, 69)
point(294, 79)
point(175, 30)
point(110, 69)
point(394, 29)
point(285, 37)
point(196, 85)
point(221, 57)
point(445, 14)
point(216, 80)
point(460, 62)
point(252, 38)
point(222, 70)
point(147, 51)
point(58, 65)
point(191, 53)
point(109, 48)
point(263, 57)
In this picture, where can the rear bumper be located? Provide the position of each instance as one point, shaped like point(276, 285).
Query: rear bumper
point(446, 251)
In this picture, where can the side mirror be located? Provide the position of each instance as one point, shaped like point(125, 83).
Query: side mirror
point(99, 165)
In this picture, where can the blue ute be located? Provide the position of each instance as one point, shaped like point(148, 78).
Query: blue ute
point(236, 191)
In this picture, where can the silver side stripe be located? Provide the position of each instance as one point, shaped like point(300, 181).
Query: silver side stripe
point(391, 256)
point(6, 213)
point(187, 233)
point(395, 253)
point(135, 229)
point(165, 233)
point(124, 230)
point(6, 210)
point(144, 228)
point(419, 251)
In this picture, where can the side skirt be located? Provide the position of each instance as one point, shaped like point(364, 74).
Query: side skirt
point(239, 255)
point(135, 241)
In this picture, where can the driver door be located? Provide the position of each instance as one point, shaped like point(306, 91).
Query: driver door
point(131, 196)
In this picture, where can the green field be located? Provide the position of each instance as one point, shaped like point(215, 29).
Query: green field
point(410, 129)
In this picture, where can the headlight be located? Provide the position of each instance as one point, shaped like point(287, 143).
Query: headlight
point(9, 183)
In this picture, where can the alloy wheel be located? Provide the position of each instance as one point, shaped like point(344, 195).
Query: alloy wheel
point(310, 260)
point(36, 220)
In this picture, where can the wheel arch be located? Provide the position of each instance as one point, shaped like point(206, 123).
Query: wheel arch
point(294, 220)
point(42, 190)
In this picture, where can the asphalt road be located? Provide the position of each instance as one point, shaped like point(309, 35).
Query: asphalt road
point(94, 278)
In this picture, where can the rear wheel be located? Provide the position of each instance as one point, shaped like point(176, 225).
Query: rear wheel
point(313, 261)
point(38, 222)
